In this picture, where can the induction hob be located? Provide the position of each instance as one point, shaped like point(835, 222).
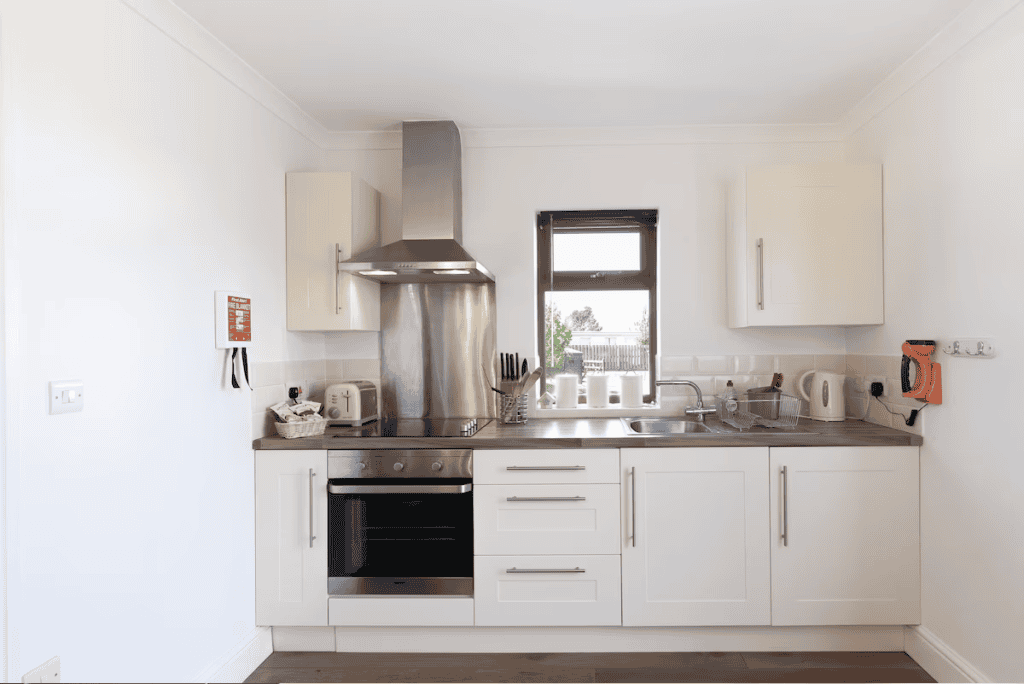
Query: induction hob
point(418, 427)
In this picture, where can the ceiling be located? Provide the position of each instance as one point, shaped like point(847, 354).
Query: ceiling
point(364, 65)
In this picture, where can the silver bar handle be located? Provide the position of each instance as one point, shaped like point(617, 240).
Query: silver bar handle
point(760, 274)
point(546, 468)
point(337, 297)
point(535, 571)
point(311, 535)
point(633, 499)
point(785, 507)
point(546, 498)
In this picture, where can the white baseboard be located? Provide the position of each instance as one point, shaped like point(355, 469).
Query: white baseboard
point(938, 659)
point(614, 639)
point(242, 660)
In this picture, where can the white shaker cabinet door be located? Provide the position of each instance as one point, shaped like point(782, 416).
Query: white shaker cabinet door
point(291, 538)
point(810, 251)
point(695, 548)
point(845, 536)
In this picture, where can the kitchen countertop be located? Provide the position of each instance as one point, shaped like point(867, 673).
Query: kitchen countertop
point(570, 433)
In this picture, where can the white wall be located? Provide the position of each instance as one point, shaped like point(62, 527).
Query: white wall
point(953, 153)
point(137, 182)
point(696, 187)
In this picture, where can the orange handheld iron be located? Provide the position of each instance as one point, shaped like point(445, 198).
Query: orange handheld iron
point(928, 383)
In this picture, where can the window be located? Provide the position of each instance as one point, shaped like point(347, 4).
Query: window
point(597, 294)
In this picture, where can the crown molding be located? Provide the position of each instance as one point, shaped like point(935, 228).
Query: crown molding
point(967, 26)
point(191, 35)
point(648, 135)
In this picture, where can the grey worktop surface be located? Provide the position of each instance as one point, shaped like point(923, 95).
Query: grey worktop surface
point(568, 433)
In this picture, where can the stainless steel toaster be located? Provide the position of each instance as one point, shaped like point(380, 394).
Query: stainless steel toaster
point(351, 403)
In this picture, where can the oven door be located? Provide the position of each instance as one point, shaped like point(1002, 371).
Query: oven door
point(395, 536)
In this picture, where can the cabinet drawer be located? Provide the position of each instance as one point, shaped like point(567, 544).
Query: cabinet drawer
point(546, 519)
point(589, 595)
point(546, 466)
point(404, 611)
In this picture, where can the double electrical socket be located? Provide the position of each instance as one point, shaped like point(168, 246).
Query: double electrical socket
point(47, 672)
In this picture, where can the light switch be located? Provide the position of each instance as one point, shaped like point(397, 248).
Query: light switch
point(66, 396)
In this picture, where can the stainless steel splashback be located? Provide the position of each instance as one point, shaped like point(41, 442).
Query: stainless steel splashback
point(438, 350)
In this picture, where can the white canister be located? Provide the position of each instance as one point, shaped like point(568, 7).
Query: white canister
point(566, 391)
point(632, 391)
point(597, 390)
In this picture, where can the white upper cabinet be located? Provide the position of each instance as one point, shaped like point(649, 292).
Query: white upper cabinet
point(328, 211)
point(810, 249)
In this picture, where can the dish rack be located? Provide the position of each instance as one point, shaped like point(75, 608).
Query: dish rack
point(770, 409)
point(307, 428)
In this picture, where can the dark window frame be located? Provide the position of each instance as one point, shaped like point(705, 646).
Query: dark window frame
point(641, 221)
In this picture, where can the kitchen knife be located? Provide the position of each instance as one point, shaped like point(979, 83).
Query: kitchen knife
point(524, 371)
point(515, 368)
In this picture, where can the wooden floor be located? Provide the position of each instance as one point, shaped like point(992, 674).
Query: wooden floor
point(589, 667)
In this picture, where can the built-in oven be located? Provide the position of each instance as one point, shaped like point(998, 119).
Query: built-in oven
point(400, 522)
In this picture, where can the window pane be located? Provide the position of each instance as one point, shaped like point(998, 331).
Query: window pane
point(596, 252)
point(597, 331)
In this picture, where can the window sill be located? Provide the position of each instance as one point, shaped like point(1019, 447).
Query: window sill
point(583, 411)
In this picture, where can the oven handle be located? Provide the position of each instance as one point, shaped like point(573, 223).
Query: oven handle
point(400, 489)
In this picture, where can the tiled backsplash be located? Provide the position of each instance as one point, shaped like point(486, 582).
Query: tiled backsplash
point(271, 380)
point(711, 373)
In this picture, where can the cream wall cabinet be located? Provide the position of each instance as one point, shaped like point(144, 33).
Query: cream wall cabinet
point(291, 538)
point(845, 536)
point(694, 544)
point(327, 212)
point(809, 251)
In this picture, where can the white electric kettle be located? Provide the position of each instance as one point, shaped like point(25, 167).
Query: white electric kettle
point(827, 400)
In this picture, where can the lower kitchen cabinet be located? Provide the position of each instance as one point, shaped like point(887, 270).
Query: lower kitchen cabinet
point(554, 591)
point(845, 536)
point(545, 519)
point(291, 538)
point(695, 550)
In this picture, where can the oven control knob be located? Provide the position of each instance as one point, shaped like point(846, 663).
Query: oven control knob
point(361, 466)
point(334, 413)
point(436, 466)
point(399, 466)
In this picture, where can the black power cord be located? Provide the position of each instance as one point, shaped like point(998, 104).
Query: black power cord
point(876, 391)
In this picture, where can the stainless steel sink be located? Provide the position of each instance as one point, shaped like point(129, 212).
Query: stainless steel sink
point(664, 426)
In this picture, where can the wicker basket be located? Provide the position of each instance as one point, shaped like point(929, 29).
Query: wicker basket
point(307, 428)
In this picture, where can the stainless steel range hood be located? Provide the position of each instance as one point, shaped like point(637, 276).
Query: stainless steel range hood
point(430, 249)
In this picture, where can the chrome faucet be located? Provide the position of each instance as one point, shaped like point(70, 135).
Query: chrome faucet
point(698, 410)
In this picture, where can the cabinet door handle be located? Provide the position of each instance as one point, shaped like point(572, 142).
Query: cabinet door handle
point(785, 506)
point(760, 274)
point(545, 467)
point(534, 571)
point(337, 258)
point(546, 498)
point(311, 535)
point(633, 500)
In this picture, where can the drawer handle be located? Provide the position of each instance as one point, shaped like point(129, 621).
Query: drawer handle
point(546, 468)
point(546, 498)
point(534, 571)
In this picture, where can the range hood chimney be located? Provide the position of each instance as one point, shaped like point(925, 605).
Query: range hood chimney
point(431, 249)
